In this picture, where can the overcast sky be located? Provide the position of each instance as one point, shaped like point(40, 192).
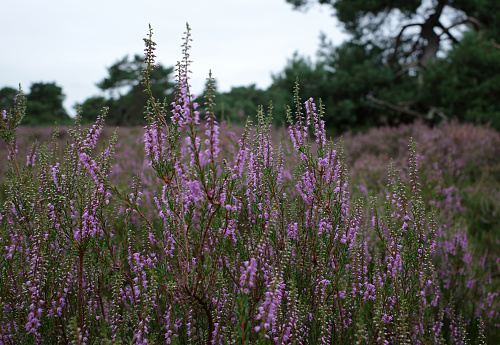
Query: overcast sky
point(72, 42)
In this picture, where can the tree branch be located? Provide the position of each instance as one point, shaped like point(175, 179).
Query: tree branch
point(398, 39)
point(395, 107)
point(432, 109)
point(471, 20)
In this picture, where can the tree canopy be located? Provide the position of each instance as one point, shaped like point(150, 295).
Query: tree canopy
point(125, 93)
point(7, 96)
point(410, 58)
point(45, 105)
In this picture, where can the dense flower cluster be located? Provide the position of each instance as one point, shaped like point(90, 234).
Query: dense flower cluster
point(224, 248)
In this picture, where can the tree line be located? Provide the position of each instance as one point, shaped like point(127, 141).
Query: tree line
point(441, 60)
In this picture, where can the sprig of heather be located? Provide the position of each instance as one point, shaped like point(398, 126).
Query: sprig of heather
point(211, 125)
point(268, 310)
point(408, 241)
point(9, 121)
point(264, 179)
point(184, 109)
point(317, 121)
point(196, 205)
point(59, 220)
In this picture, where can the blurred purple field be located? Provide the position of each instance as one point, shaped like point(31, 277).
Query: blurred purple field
point(458, 172)
point(459, 163)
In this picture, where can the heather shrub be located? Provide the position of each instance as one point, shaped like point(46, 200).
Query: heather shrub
point(458, 173)
point(257, 242)
point(457, 176)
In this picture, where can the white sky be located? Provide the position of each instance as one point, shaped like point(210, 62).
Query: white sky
point(72, 42)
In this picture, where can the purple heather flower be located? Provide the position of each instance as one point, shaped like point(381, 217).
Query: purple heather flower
point(273, 296)
point(184, 110)
point(319, 124)
point(306, 186)
point(154, 142)
point(30, 159)
point(248, 273)
point(386, 318)
point(212, 132)
point(239, 163)
point(293, 231)
point(94, 133)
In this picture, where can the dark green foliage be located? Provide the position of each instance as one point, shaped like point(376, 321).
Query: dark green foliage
point(45, 105)
point(92, 107)
point(467, 83)
point(238, 104)
point(7, 96)
point(485, 12)
point(126, 96)
point(344, 79)
point(311, 77)
point(423, 67)
point(128, 74)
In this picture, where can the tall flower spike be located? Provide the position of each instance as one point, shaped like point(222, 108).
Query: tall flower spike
point(211, 125)
point(316, 120)
point(184, 112)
